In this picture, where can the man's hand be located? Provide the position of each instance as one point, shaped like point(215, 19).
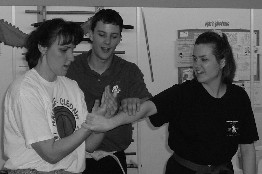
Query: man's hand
point(130, 105)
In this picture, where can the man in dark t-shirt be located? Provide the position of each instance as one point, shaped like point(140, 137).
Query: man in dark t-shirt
point(99, 68)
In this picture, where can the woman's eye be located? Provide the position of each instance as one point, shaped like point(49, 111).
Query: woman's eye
point(63, 49)
point(114, 37)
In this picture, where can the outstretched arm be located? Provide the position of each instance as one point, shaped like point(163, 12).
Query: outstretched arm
point(131, 105)
point(99, 123)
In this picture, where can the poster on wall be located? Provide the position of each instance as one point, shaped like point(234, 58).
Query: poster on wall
point(239, 39)
point(184, 74)
point(184, 50)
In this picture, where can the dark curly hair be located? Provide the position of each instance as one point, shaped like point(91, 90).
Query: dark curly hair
point(221, 49)
point(107, 16)
point(46, 34)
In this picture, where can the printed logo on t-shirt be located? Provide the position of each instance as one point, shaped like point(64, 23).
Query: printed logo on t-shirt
point(64, 118)
point(232, 128)
point(115, 90)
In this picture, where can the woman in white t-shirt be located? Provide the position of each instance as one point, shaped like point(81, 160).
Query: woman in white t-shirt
point(45, 112)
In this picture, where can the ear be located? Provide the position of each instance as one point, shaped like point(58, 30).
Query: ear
point(42, 49)
point(120, 39)
point(222, 63)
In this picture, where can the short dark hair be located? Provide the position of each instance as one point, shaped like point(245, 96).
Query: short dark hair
point(107, 16)
point(46, 34)
point(221, 49)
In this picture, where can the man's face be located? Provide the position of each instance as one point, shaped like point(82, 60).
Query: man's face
point(105, 38)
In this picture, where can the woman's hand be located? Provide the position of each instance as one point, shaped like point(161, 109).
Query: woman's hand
point(109, 99)
point(108, 105)
point(130, 105)
point(98, 123)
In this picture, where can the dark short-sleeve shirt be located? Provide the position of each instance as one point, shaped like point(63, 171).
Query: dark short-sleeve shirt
point(130, 81)
point(204, 129)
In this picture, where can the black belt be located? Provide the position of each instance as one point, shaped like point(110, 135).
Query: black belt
point(202, 169)
point(34, 171)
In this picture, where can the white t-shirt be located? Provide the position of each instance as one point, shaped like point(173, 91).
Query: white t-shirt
point(37, 110)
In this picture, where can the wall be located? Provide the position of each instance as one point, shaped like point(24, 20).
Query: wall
point(162, 25)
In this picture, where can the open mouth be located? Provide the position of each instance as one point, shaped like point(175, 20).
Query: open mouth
point(105, 50)
point(198, 72)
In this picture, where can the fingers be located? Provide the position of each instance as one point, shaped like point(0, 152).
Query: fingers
point(99, 109)
point(138, 104)
point(97, 123)
point(96, 105)
point(124, 105)
point(104, 96)
point(130, 105)
point(111, 108)
point(110, 102)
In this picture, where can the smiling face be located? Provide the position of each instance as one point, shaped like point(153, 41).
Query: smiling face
point(57, 60)
point(206, 67)
point(105, 38)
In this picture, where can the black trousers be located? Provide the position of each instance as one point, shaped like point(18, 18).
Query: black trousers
point(106, 165)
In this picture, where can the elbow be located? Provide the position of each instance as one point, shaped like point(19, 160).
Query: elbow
point(51, 159)
point(90, 149)
point(47, 152)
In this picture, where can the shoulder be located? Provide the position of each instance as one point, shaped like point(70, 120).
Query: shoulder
point(189, 90)
point(25, 84)
point(27, 80)
point(123, 63)
point(185, 90)
point(236, 90)
point(16, 85)
point(126, 68)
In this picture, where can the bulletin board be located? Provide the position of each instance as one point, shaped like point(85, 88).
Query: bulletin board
point(239, 39)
